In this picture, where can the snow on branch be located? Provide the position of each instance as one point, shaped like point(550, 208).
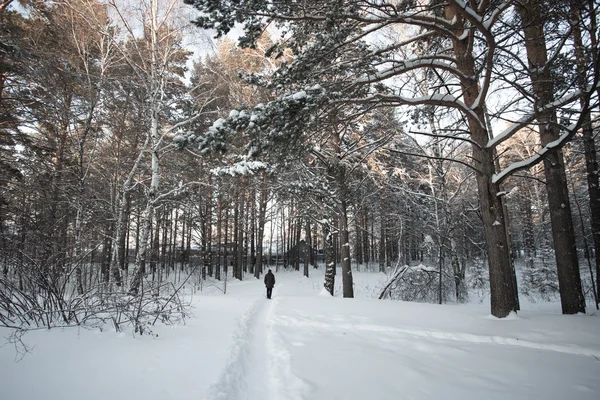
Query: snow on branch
point(406, 66)
point(244, 167)
point(438, 99)
point(268, 130)
point(469, 11)
point(530, 117)
point(528, 162)
point(495, 14)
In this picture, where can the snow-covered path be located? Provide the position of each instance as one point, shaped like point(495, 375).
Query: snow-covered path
point(246, 376)
point(256, 372)
point(259, 367)
point(303, 346)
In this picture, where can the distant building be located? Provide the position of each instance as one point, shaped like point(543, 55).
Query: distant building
point(292, 255)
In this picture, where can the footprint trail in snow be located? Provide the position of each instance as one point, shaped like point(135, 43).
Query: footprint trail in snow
point(259, 367)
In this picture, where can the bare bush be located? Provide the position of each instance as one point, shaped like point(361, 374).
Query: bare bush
point(32, 298)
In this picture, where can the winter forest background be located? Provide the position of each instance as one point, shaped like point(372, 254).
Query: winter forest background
point(448, 144)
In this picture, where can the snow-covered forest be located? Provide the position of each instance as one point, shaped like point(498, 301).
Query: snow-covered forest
point(158, 156)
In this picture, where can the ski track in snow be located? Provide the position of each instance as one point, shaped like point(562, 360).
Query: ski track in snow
point(259, 367)
point(450, 336)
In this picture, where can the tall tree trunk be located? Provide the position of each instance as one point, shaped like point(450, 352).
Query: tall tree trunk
point(329, 259)
point(173, 241)
point(503, 292)
point(204, 240)
point(298, 231)
point(219, 238)
point(315, 246)
point(209, 244)
point(334, 238)
point(253, 231)
point(308, 251)
point(591, 160)
point(272, 228)
point(240, 238)
point(106, 252)
point(359, 243)
point(246, 230)
point(347, 281)
point(563, 234)
point(226, 242)
point(262, 216)
point(123, 243)
point(160, 249)
point(140, 261)
point(365, 236)
point(382, 245)
point(184, 225)
point(235, 237)
point(284, 247)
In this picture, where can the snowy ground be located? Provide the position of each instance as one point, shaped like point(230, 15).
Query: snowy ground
point(302, 345)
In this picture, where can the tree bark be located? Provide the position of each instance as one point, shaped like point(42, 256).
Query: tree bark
point(298, 231)
point(308, 252)
point(563, 233)
point(503, 293)
point(240, 238)
point(358, 232)
point(329, 259)
point(365, 236)
point(591, 159)
point(381, 239)
point(262, 215)
point(347, 281)
point(219, 238)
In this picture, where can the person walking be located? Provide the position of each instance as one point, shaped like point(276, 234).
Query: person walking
point(269, 283)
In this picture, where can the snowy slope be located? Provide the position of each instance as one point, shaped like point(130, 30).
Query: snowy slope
point(301, 345)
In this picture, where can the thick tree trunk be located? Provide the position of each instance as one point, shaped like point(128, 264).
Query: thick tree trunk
point(347, 282)
point(503, 293)
point(591, 159)
point(563, 233)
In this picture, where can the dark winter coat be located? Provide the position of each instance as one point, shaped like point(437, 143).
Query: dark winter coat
point(269, 280)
